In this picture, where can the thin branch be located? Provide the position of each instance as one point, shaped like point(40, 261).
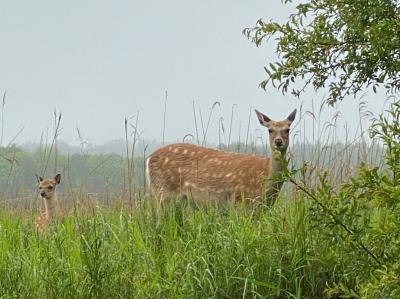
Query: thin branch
point(336, 219)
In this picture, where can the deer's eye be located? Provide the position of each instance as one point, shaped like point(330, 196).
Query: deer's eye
point(50, 187)
point(270, 130)
point(287, 131)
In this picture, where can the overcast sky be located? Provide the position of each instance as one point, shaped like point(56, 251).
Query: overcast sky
point(101, 61)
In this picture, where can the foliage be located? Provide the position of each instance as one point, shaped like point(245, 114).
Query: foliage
point(344, 44)
point(361, 218)
point(176, 251)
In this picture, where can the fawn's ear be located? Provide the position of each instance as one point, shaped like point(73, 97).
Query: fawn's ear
point(263, 119)
point(292, 116)
point(57, 178)
point(39, 178)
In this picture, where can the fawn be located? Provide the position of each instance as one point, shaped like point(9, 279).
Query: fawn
point(47, 190)
point(191, 170)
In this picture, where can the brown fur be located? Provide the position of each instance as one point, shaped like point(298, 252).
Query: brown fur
point(47, 190)
point(205, 173)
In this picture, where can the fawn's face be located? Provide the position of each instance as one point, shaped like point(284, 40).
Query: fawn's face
point(47, 186)
point(278, 130)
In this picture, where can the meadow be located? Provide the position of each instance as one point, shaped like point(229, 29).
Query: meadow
point(333, 232)
point(176, 251)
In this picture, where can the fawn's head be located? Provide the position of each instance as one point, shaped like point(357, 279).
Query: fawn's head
point(47, 187)
point(278, 130)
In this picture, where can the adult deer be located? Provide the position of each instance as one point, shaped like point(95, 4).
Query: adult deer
point(203, 173)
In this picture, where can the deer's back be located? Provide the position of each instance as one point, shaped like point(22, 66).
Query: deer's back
point(41, 222)
point(190, 169)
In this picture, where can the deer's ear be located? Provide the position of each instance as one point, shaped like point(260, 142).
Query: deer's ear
point(292, 116)
point(263, 119)
point(57, 178)
point(39, 178)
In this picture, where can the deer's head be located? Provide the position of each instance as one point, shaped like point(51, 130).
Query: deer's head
point(47, 187)
point(278, 130)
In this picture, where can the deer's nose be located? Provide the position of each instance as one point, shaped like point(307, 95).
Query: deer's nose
point(278, 142)
point(42, 193)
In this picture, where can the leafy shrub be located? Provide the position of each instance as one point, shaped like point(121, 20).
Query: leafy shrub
point(361, 219)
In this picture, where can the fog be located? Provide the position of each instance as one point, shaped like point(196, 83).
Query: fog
point(98, 62)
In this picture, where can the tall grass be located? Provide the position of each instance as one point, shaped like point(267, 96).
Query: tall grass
point(130, 247)
point(176, 251)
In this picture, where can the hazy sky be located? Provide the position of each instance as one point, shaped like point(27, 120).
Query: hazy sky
point(101, 61)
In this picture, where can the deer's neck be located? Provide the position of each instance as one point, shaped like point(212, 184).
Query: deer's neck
point(274, 181)
point(50, 206)
point(276, 162)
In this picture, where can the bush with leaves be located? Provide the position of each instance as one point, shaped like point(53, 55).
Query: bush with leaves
point(361, 220)
point(347, 46)
point(344, 44)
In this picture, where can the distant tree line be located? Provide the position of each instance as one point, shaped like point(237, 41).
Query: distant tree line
point(107, 174)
